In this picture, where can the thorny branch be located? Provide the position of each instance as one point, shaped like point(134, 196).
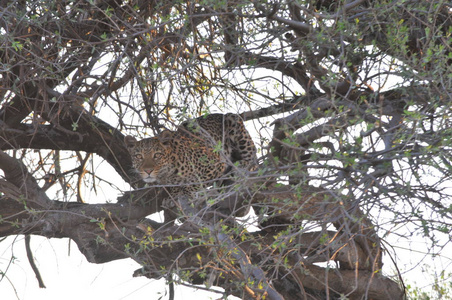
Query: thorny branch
point(78, 76)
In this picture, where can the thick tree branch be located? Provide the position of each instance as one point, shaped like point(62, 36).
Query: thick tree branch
point(252, 274)
point(98, 137)
point(360, 285)
point(116, 225)
point(57, 81)
point(17, 174)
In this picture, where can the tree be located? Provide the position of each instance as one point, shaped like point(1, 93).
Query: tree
point(355, 97)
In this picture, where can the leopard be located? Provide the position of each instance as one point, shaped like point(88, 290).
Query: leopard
point(196, 154)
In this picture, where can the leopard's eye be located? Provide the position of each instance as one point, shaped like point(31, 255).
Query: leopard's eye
point(138, 156)
point(158, 155)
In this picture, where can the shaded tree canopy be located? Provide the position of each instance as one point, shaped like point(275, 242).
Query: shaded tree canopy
point(349, 103)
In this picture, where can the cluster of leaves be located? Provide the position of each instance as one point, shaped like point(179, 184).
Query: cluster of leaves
point(351, 97)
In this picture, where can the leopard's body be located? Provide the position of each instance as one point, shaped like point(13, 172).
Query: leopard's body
point(198, 152)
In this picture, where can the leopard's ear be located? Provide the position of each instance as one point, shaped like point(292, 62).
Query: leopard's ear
point(130, 141)
point(165, 137)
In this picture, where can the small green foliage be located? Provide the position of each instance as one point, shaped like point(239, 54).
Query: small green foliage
point(440, 289)
point(218, 147)
point(109, 11)
point(17, 46)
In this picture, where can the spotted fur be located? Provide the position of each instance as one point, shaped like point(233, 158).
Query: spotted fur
point(198, 152)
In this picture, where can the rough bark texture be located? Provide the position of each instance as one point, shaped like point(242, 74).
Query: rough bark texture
point(76, 76)
point(106, 232)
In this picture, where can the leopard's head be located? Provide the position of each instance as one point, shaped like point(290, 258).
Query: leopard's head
point(151, 157)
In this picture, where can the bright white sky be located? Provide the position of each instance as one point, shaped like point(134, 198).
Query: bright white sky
point(67, 275)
